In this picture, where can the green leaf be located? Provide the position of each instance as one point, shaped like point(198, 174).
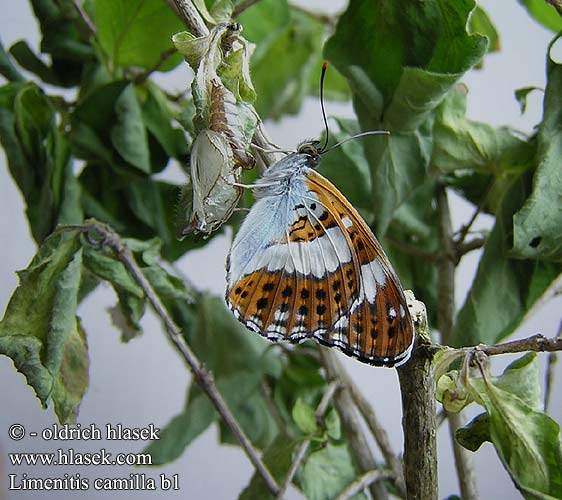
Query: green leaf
point(39, 330)
point(108, 268)
point(347, 167)
point(72, 382)
point(304, 417)
point(536, 226)
point(333, 424)
point(252, 412)
point(504, 288)
point(38, 158)
point(462, 144)
point(27, 59)
point(211, 332)
point(543, 13)
point(521, 96)
point(414, 225)
point(475, 433)
point(400, 63)
point(481, 23)
point(7, 69)
point(277, 458)
point(392, 44)
point(62, 30)
point(158, 119)
point(167, 287)
point(291, 39)
point(214, 332)
point(198, 414)
point(94, 121)
point(336, 87)
point(527, 441)
point(128, 135)
point(221, 10)
point(451, 392)
point(131, 305)
point(327, 472)
point(263, 23)
point(137, 32)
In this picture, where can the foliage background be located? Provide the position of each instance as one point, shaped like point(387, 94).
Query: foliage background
point(145, 381)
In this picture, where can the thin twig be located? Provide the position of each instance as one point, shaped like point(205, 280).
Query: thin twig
point(365, 480)
point(549, 376)
point(549, 379)
point(463, 461)
point(189, 15)
point(242, 6)
point(265, 390)
point(446, 269)
point(376, 428)
point(464, 230)
point(319, 16)
point(303, 448)
point(84, 16)
point(201, 375)
point(445, 320)
point(414, 250)
point(468, 246)
point(164, 56)
point(536, 343)
point(557, 4)
point(355, 437)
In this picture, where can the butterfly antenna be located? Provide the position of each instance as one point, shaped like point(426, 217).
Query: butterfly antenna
point(322, 76)
point(362, 134)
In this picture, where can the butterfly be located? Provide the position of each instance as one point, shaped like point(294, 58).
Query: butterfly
point(305, 265)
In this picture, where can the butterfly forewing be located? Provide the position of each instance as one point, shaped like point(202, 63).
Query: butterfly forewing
point(379, 326)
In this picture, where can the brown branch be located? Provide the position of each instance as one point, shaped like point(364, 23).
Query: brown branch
point(356, 439)
point(303, 448)
point(242, 6)
point(467, 246)
point(536, 343)
point(365, 480)
point(464, 230)
point(187, 12)
point(445, 322)
point(201, 375)
point(417, 387)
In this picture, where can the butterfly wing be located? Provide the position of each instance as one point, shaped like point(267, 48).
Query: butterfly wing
point(316, 270)
point(377, 328)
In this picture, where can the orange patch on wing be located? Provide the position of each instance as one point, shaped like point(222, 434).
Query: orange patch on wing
point(307, 228)
point(294, 305)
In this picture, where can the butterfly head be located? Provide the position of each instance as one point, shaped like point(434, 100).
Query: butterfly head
point(312, 150)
